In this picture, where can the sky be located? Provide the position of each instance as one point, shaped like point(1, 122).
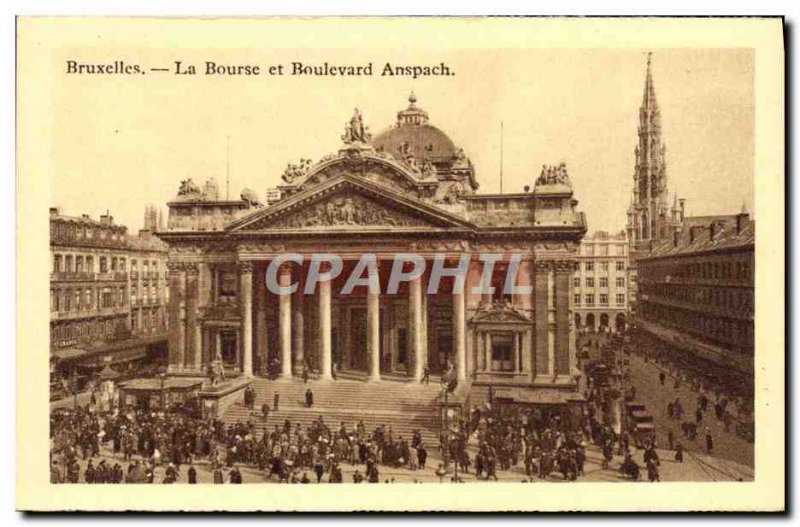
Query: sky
point(121, 143)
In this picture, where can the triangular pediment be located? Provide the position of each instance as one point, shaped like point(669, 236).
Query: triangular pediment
point(347, 203)
point(502, 312)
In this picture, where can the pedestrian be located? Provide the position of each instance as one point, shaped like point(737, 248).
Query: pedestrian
point(709, 442)
point(426, 375)
point(305, 372)
point(275, 399)
point(235, 476)
point(218, 478)
point(698, 415)
point(265, 410)
point(670, 439)
point(662, 377)
point(652, 471)
point(319, 469)
point(679, 453)
point(309, 398)
point(422, 453)
point(192, 475)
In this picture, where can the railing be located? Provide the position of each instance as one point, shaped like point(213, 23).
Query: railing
point(71, 277)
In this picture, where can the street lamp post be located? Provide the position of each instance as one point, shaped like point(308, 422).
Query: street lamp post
point(446, 434)
point(163, 399)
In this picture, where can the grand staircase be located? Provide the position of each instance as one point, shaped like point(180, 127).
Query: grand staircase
point(396, 402)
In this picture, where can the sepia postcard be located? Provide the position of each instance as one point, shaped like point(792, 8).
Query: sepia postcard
point(449, 264)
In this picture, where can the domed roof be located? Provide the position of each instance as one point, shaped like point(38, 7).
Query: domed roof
point(413, 135)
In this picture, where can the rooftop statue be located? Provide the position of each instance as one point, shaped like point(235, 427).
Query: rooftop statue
point(188, 188)
point(554, 175)
point(250, 197)
point(294, 172)
point(355, 131)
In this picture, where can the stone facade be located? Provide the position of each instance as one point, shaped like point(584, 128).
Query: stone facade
point(408, 190)
point(601, 283)
point(696, 291)
point(107, 290)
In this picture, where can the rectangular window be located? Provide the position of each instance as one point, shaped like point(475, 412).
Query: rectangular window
point(576, 282)
point(589, 300)
point(589, 281)
point(620, 265)
point(227, 284)
point(603, 281)
point(502, 352)
point(620, 282)
point(577, 300)
point(620, 299)
point(604, 266)
point(590, 266)
point(603, 299)
point(57, 263)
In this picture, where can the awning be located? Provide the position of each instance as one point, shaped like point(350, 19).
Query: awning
point(155, 385)
point(108, 374)
point(69, 353)
point(537, 395)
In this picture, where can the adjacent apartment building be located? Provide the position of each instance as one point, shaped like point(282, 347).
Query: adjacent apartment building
point(696, 294)
point(601, 283)
point(108, 293)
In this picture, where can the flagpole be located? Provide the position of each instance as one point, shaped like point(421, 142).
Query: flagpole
point(501, 157)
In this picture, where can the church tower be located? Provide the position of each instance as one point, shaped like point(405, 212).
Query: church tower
point(649, 215)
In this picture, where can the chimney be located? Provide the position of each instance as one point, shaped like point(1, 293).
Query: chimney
point(675, 238)
point(682, 201)
point(741, 221)
point(712, 230)
point(54, 211)
point(107, 219)
point(694, 229)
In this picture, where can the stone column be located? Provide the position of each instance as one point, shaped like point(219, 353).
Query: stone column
point(526, 351)
point(261, 337)
point(373, 335)
point(325, 344)
point(487, 351)
point(246, 303)
point(177, 334)
point(203, 300)
point(563, 295)
point(218, 342)
point(298, 329)
point(415, 326)
point(193, 346)
point(460, 335)
point(285, 320)
point(540, 296)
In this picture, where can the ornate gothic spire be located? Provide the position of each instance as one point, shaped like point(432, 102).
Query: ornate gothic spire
point(650, 194)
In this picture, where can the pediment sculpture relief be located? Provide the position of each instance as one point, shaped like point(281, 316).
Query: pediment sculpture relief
point(344, 210)
point(499, 311)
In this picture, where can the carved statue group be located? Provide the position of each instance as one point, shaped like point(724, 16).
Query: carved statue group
point(216, 370)
point(345, 210)
point(294, 172)
point(554, 175)
point(188, 188)
point(250, 197)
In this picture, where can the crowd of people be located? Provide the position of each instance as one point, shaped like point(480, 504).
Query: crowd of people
point(529, 443)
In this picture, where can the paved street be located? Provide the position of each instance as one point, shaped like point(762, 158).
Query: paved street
point(649, 391)
point(694, 468)
point(729, 449)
